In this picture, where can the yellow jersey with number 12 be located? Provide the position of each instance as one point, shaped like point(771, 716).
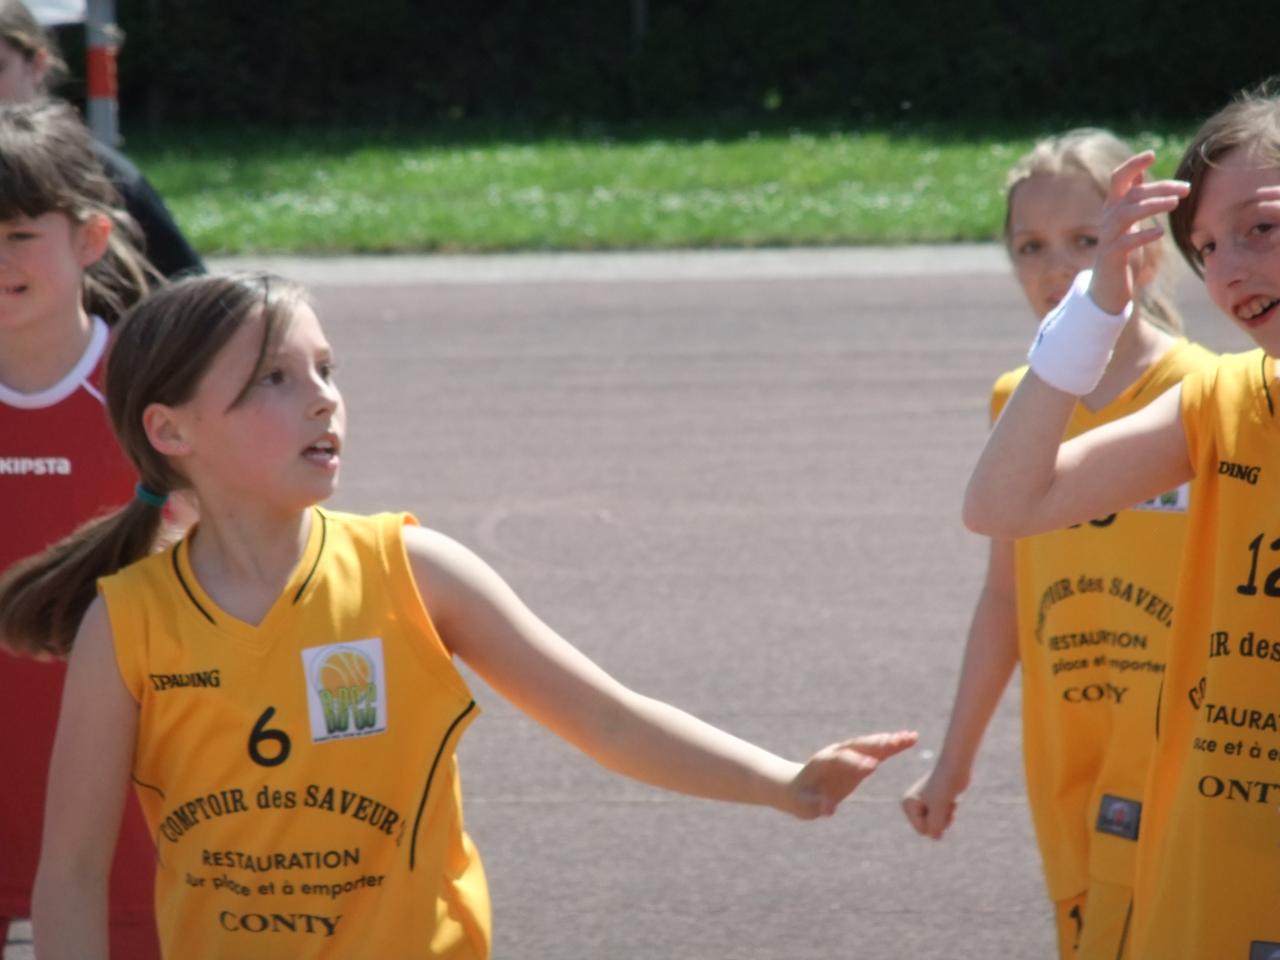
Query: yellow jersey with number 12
point(299, 775)
point(1209, 860)
point(1095, 607)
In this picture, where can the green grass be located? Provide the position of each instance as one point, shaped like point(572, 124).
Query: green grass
point(379, 192)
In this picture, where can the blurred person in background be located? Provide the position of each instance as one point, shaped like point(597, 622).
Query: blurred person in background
point(29, 65)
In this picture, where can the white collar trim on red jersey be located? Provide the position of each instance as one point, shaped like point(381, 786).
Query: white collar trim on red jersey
point(76, 378)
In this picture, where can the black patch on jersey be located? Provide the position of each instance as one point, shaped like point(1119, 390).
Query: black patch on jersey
point(1264, 950)
point(1120, 817)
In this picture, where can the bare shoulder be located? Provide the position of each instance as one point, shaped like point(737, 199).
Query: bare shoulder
point(94, 638)
point(92, 670)
point(434, 555)
point(450, 577)
point(98, 720)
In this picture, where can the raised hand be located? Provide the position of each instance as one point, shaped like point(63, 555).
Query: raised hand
point(1269, 201)
point(1130, 200)
point(835, 771)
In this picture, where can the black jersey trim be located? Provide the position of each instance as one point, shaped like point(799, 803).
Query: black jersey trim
point(1124, 934)
point(1159, 698)
point(155, 839)
point(1266, 387)
point(177, 569)
point(422, 804)
point(324, 535)
point(149, 786)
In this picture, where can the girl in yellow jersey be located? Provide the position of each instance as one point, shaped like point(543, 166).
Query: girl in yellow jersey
point(280, 686)
point(1070, 606)
point(1208, 876)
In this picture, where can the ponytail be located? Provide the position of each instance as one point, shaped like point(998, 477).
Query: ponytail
point(1156, 307)
point(1151, 301)
point(162, 348)
point(43, 598)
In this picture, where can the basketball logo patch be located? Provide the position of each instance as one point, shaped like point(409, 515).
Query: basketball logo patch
point(1119, 817)
point(1175, 501)
point(346, 689)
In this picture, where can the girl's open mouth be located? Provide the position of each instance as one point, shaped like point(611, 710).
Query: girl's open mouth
point(324, 452)
point(1256, 312)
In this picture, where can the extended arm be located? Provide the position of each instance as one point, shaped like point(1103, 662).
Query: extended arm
point(88, 780)
point(482, 620)
point(1025, 483)
point(990, 656)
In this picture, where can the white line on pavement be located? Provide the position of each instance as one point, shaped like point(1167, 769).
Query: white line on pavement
point(644, 266)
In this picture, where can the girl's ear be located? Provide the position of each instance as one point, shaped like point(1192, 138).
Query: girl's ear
point(92, 237)
point(163, 427)
point(38, 64)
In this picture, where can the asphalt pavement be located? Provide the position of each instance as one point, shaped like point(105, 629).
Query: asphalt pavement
point(734, 480)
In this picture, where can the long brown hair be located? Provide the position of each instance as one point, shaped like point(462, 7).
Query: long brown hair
point(1251, 121)
point(47, 165)
point(163, 347)
point(1091, 153)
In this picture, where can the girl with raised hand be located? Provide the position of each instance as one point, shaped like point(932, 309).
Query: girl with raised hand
point(280, 686)
point(1209, 854)
point(67, 270)
point(1065, 604)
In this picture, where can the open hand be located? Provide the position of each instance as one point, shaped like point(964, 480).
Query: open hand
point(1130, 200)
point(835, 771)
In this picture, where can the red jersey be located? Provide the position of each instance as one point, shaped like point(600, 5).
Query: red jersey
point(60, 465)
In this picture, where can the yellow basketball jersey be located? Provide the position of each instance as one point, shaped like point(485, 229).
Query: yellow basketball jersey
point(1209, 862)
point(299, 776)
point(1095, 606)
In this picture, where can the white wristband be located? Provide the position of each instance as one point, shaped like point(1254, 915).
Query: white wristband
point(1073, 347)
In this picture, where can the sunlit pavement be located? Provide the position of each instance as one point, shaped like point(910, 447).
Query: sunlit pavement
point(733, 480)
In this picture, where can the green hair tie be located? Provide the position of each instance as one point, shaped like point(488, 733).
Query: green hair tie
point(150, 497)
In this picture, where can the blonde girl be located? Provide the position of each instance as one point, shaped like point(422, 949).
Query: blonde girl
point(67, 269)
point(1065, 605)
point(1209, 856)
point(280, 687)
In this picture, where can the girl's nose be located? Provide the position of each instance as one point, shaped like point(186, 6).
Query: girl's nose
point(326, 397)
point(1060, 262)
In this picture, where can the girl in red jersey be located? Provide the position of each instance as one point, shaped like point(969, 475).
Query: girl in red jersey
point(67, 271)
point(284, 678)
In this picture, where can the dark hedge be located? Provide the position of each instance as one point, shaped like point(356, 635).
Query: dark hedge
point(392, 61)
